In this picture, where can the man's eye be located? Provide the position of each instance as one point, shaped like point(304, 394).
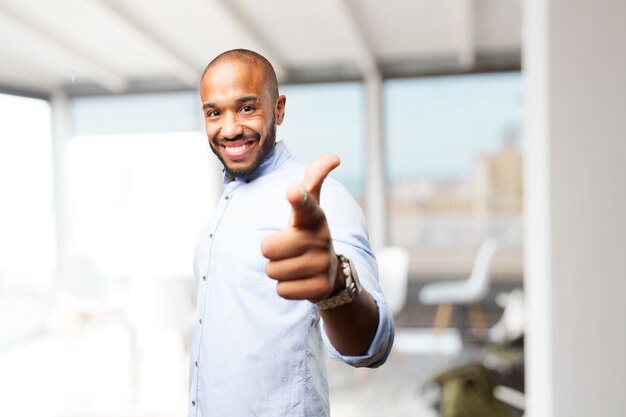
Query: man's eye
point(247, 109)
point(212, 113)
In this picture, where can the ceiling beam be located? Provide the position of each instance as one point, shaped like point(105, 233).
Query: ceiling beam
point(249, 26)
point(365, 56)
point(29, 93)
point(86, 65)
point(425, 66)
point(184, 70)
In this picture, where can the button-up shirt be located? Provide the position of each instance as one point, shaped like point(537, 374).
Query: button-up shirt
point(254, 353)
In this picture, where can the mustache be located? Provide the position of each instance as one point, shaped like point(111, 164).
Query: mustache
point(218, 140)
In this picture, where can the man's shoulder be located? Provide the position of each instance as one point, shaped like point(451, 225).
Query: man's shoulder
point(289, 171)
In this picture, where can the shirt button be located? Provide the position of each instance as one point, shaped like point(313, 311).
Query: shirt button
point(196, 363)
point(203, 277)
point(193, 403)
point(200, 321)
point(210, 235)
point(226, 197)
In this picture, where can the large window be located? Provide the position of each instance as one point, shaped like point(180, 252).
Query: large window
point(140, 184)
point(454, 161)
point(26, 217)
point(109, 333)
point(139, 201)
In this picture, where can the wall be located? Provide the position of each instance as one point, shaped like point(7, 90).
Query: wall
point(575, 69)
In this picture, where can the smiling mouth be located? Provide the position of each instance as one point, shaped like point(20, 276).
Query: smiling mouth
point(237, 150)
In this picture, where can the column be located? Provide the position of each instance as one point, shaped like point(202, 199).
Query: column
point(62, 214)
point(376, 185)
point(575, 176)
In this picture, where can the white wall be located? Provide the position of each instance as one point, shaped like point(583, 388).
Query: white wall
point(575, 69)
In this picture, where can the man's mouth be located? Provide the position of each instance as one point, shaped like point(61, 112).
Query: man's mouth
point(237, 149)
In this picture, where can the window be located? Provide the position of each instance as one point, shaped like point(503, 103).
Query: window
point(328, 118)
point(141, 183)
point(139, 201)
point(454, 160)
point(27, 248)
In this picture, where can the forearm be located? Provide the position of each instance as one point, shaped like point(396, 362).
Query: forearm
point(352, 327)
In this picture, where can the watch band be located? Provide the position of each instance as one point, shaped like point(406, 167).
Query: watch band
point(349, 293)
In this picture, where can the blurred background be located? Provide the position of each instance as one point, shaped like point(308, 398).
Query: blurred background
point(493, 193)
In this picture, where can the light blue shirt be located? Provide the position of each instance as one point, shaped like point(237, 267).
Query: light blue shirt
point(254, 353)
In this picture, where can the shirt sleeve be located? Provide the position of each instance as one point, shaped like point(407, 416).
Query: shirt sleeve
point(378, 351)
point(347, 227)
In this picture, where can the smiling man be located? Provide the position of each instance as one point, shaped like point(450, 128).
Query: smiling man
point(241, 128)
point(283, 267)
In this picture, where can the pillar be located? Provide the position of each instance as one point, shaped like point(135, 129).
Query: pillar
point(575, 176)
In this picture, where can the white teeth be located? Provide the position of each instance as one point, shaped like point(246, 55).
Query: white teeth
point(236, 150)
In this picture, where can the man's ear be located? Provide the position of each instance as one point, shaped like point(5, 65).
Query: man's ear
point(281, 101)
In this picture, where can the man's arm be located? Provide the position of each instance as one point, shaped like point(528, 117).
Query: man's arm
point(303, 262)
point(351, 327)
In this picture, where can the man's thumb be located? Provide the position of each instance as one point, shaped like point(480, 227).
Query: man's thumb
point(304, 198)
point(317, 171)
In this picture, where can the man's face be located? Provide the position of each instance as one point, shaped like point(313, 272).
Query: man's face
point(240, 115)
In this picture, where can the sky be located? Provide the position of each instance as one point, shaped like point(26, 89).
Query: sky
point(434, 126)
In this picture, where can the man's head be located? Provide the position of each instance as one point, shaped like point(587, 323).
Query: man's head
point(241, 109)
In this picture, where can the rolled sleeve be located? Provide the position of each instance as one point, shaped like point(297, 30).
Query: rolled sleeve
point(378, 350)
point(347, 226)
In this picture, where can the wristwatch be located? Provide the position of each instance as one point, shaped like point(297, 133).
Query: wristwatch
point(350, 292)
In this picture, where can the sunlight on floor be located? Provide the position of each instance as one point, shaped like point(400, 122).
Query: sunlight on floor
point(92, 373)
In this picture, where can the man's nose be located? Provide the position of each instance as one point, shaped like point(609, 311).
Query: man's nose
point(231, 128)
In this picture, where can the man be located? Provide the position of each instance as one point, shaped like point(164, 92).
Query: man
point(266, 266)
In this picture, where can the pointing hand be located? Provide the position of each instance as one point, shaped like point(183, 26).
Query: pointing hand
point(301, 258)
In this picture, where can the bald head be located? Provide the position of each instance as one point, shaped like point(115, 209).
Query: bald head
point(241, 107)
point(251, 58)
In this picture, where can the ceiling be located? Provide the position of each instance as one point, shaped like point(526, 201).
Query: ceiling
point(117, 46)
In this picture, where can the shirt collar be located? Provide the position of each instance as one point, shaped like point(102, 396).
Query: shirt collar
point(274, 160)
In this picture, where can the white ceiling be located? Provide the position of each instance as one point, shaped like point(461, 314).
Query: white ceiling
point(101, 46)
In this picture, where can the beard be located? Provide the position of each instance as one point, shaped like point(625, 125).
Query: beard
point(265, 148)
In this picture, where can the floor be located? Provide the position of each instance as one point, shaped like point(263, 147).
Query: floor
point(89, 374)
point(398, 387)
point(86, 371)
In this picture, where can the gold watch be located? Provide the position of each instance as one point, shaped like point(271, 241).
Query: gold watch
point(350, 292)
